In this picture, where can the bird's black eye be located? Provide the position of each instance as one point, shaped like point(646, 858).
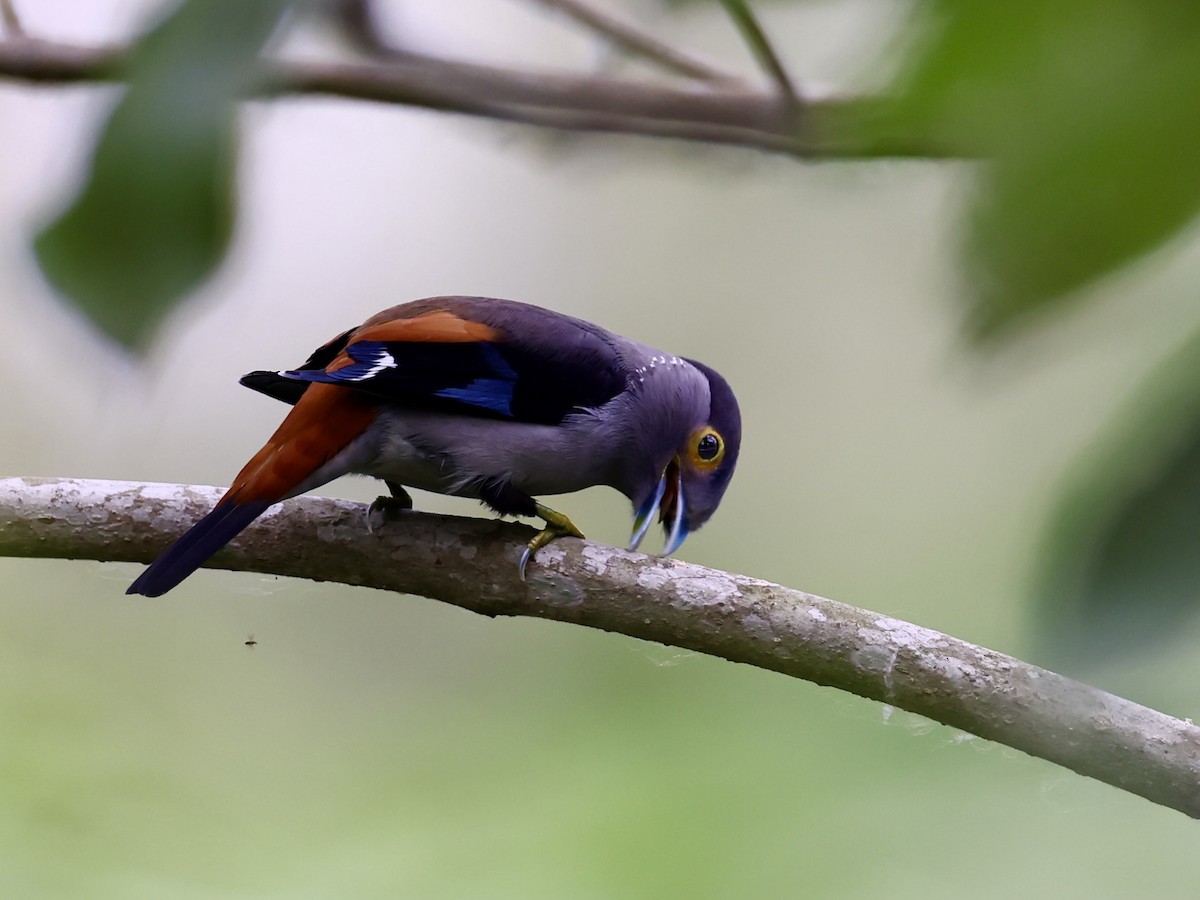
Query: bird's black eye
point(706, 449)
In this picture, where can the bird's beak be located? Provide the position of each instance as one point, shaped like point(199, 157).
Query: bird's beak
point(648, 513)
point(666, 504)
point(674, 508)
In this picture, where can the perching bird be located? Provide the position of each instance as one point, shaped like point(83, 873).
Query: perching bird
point(491, 399)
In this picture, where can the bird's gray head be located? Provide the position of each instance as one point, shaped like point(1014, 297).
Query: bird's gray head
point(703, 433)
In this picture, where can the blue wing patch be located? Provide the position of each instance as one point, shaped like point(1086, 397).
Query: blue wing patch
point(494, 393)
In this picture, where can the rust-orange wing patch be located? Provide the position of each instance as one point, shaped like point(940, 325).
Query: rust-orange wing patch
point(439, 327)
point(322, 423)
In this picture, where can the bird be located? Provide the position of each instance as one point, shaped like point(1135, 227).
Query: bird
point(491, 399)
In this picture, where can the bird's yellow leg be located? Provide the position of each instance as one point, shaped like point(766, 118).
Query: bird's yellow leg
point(557, 525)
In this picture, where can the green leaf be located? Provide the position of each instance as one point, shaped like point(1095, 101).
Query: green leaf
point(1085, 114)
point(1121, 559)
point(155, 215)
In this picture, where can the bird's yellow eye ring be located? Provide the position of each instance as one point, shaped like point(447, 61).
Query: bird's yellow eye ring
point(706, 449)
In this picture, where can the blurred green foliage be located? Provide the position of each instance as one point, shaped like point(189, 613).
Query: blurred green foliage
point(156, 213)
point(1121, 571)
point(1083, 113)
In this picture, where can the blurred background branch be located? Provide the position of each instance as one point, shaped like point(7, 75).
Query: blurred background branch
point(471, 562)
point(623, 33)
point(9, 18)
point(45, 62)
point(358, 20)
point(744, 117)
point(762, 48)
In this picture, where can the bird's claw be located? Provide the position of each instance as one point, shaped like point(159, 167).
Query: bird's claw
point(557, 525)
point(388, 509)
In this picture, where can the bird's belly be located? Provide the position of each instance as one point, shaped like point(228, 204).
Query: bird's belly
point(451, 454)
point(400, 460)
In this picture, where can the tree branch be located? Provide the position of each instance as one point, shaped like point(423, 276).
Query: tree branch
point(10, 19)
point(625, 34)
point(472, 563)
point(357, 21)
point(842, 128)
point(760, 45)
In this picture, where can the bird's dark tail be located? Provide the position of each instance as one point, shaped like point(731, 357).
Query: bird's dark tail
point(197, 544)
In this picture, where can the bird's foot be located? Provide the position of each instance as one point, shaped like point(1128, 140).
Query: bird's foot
point(557, 525)
point(388, 509)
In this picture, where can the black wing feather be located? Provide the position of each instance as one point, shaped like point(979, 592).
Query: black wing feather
point(547, 367)
point(279, 387)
